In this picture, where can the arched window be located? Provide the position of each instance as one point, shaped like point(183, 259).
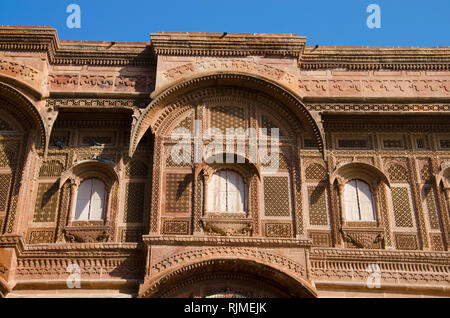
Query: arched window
point(226, 192)
point(358, 201)
point(91, 201)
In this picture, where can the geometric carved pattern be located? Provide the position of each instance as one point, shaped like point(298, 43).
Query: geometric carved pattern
point(402, 207)
point(278, 229)
point(178, 193)
point(268, 124)
point(358, 239)
point(8, 153)
point(425, 174)
point(397, 173)
point(431, 206)
point(406, 241)
point(46, 202)
point(131, 235)
point(134, 203)
point(283, 161)
point(185, 123)
point(320, 239)
point(5, 180)
point(41, 236)
point(224, 117)
point(315, 171)
point(318, 214)
point(171, 227)
point(51, 168)
point(436, 242)
point(137, 168)
point(179, 158)
point(276, 196)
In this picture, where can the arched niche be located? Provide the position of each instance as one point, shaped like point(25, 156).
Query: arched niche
point(179, 95)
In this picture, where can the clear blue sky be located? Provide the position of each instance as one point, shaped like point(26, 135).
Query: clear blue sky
point(323, 22)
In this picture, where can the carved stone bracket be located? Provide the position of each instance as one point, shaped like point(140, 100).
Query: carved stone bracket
point(363, 238)
point(228, 227)
point(87, 234)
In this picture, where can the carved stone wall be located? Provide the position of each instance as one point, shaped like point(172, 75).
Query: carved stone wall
point(70, 112)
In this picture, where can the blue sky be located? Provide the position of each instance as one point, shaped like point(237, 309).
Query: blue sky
point(330, 22)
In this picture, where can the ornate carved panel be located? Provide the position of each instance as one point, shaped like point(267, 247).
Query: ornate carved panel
point(5, 184)
point(134, 202)
point(402, 207)
point(131, 235)
point(178, 193)
point(406, 241)
point(317, 200)
point(38, 236)
point(52, 168)
point(363, 239)
point(430, 201)
point(46, 203)
point(175, 227)
point(224, 117)
point(278, 229)
point(320, 238)
point(315, 172)
point(136, 168)
point(276, 196)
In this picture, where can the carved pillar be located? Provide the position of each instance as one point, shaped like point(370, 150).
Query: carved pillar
point(67, 197)
point(298, 208)
point(339, 217)
point(198, 203)
point(24, 179)
point(156, 186)
point(447, 215)
point(414, 182)
point(254, 204)
point(384, 213)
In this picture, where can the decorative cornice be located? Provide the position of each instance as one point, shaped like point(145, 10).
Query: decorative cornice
point(376, 58)
point(412, 121)
point(45, 39)
point(377, 107)
point(227, 241)
point(223, 44)
point(97, 102)
point(330, 254)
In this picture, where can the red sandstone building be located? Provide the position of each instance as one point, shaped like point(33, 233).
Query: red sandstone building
point(87, 177)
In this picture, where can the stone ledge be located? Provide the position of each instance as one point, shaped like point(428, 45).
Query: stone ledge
point(227, 241)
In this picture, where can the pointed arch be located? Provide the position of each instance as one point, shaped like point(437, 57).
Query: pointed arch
point(359, 170)
point(90, 169)
point(151, 117)
point(16, 103)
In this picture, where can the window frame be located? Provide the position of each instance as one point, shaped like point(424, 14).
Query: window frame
point(245, 200)
point(372, 201)
point(105, 201)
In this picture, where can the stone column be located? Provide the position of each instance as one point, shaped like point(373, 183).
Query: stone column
point(339, 242)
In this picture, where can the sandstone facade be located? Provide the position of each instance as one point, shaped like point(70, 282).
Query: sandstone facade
point(373, 120)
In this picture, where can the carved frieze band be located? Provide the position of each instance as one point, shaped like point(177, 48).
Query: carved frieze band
point(376, 88)
point(103, 83)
